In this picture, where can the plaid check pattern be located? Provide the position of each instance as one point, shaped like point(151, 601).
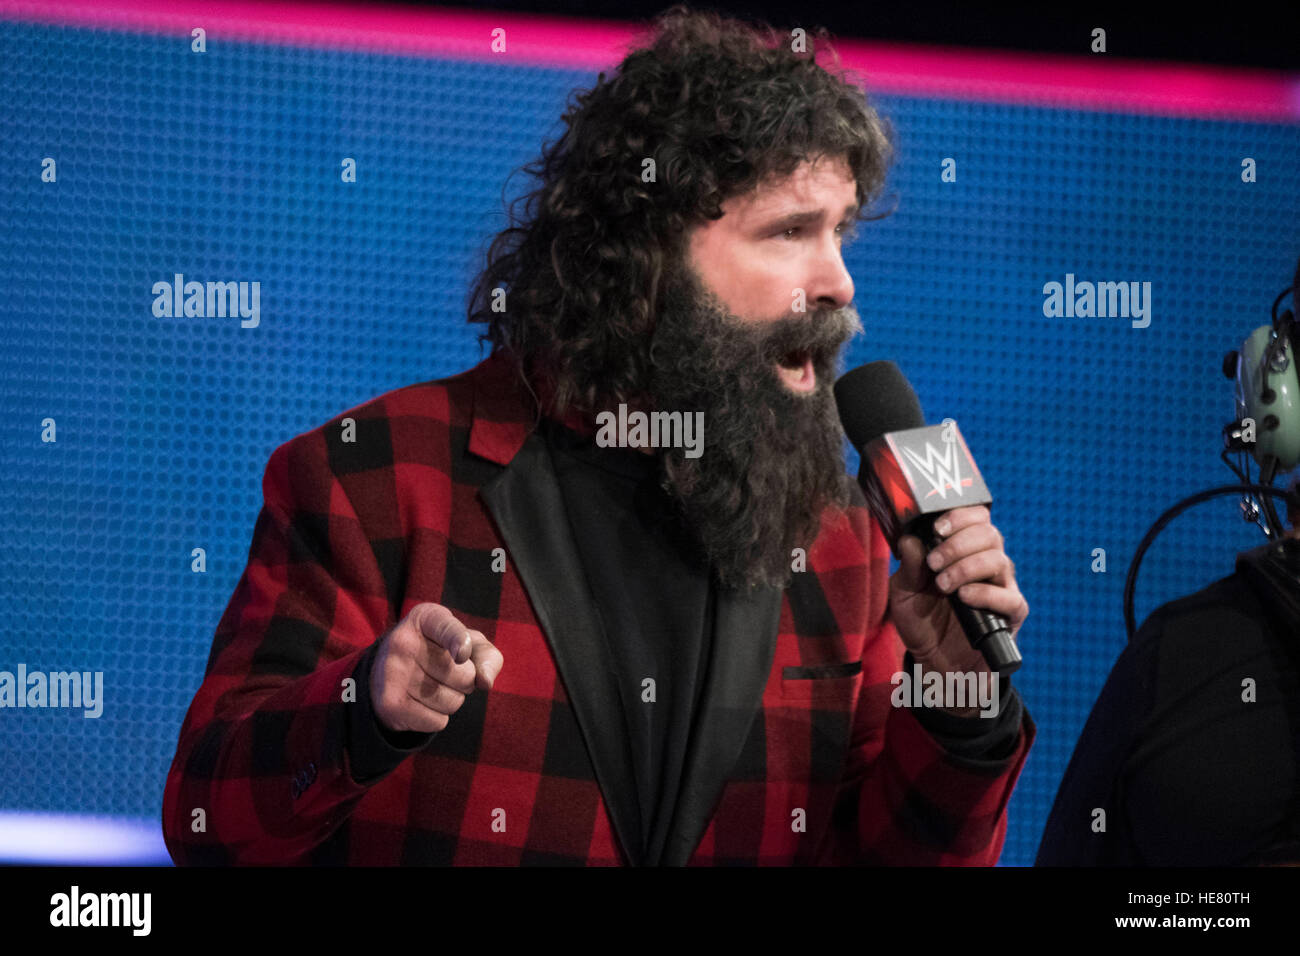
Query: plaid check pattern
point(800, 758)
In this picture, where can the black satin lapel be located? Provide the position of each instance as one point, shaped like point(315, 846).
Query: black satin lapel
point(744, 644)
point(526, 502)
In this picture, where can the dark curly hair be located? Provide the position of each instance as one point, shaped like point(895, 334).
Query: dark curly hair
point(719, 106)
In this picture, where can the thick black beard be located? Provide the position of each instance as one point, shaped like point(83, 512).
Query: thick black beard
point(772, 460)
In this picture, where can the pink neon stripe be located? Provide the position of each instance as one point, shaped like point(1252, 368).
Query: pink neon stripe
point(1090, 81)
point(1087, 82)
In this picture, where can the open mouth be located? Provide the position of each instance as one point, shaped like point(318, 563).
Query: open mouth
point(796, 370)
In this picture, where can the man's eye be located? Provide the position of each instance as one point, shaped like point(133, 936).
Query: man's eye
point(849, 234)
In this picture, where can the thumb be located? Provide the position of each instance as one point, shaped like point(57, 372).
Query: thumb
point(913, 573)
point(488, 661)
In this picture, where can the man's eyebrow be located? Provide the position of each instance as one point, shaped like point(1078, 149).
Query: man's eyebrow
point(802, 217)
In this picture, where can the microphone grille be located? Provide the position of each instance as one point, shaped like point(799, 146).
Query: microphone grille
point(876, 398)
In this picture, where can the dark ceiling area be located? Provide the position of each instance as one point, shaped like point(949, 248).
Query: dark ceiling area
point(1247, 35)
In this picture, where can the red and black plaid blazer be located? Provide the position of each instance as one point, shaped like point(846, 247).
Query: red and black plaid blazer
point(799, 756)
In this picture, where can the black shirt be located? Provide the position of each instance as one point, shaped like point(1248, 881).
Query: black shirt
point(1188, 772)
point(656, 603)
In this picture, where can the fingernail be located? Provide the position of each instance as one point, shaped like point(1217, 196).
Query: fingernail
point(943, 526)
point(934, 561)
point(942, 581)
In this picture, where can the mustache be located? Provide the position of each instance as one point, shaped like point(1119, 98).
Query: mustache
point(819, 335)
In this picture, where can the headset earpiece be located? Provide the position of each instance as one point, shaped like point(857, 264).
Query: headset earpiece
point(1268, 390)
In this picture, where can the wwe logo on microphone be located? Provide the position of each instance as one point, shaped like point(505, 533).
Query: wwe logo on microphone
point(941, 470)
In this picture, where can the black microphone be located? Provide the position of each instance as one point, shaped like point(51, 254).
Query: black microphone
point(911, 474)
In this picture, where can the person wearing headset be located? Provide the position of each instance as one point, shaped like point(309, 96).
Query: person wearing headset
point(1189, 756)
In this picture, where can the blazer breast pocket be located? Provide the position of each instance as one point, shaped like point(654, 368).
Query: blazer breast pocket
point(839, 681)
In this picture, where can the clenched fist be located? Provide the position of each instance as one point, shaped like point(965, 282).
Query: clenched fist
point(425, 667)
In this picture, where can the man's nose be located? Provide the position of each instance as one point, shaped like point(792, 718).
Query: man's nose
point(834, 288)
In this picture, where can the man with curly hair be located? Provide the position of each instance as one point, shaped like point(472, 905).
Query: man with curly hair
point(484, 633)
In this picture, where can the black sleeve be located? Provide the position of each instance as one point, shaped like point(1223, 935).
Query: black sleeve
point(375, 751)
point(977, 738)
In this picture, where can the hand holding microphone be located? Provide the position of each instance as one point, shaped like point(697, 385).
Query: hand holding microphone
point(972, 591)
point(954, 599)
